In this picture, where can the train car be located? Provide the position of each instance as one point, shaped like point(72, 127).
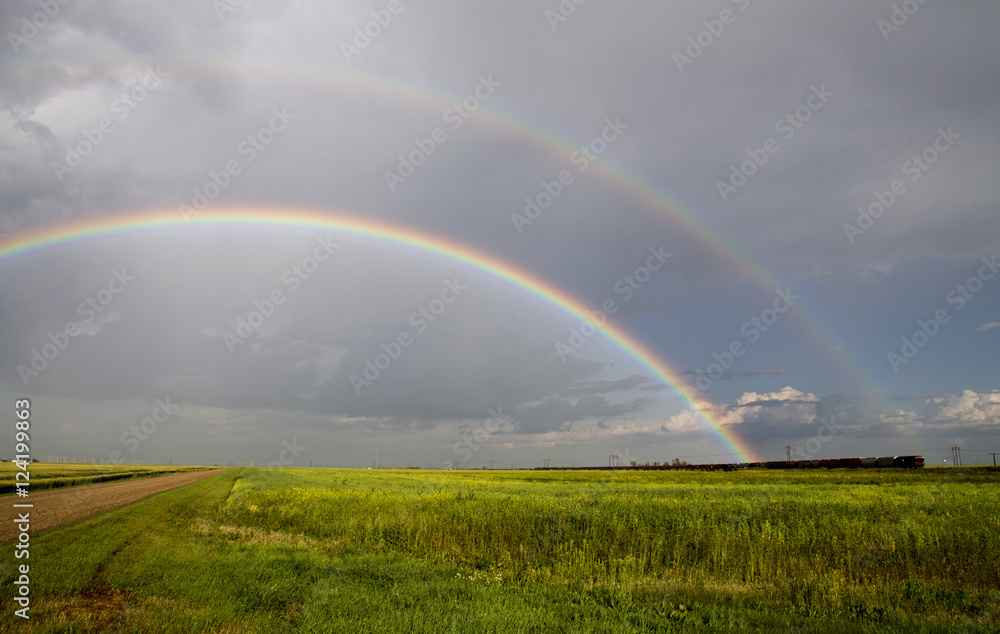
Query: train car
point(908, 462)
point(883, 462)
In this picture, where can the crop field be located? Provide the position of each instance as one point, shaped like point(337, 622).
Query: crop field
point(268, 550)
point(51, 475)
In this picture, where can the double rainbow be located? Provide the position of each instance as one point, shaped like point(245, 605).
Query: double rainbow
point(544, 139)
point(164, 221)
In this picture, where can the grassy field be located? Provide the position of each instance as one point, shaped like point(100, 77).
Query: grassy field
point(51, 475)
point(260, 550)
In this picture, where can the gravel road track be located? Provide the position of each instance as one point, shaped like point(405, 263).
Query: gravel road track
point(53, 507)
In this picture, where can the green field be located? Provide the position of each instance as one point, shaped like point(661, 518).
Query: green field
point(51, 475)
point(261, 550)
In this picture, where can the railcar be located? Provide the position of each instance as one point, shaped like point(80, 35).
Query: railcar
point(872, 462)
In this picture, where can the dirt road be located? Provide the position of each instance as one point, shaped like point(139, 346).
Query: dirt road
point(59, 506)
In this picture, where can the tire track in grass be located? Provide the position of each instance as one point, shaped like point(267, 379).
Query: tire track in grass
point(104, 604)
point(89, 583)
point(102, 601)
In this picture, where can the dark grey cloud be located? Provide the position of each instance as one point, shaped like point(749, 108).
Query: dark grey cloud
point(884, 99)
point(555, 414)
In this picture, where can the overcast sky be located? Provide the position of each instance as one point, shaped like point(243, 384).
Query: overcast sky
point(838, 158)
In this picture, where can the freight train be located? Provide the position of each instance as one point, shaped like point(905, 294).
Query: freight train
point(884, 462)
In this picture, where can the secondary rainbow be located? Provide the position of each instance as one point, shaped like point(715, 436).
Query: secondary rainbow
point(122, 225)
point(542, 138)
point(545, 139)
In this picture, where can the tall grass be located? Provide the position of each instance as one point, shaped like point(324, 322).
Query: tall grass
point(262, 550)
point(818, 533)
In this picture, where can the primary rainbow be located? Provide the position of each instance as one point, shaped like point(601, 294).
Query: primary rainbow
point(543, 138)
point(384, 232)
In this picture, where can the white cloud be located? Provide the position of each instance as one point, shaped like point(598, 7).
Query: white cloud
point(955, 412)
point(965, 410)
point(787, 406)
point(786, 393)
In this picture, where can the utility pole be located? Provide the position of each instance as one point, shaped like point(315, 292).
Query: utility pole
point(788, 452)
point(956, 455)
point(994, 459)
